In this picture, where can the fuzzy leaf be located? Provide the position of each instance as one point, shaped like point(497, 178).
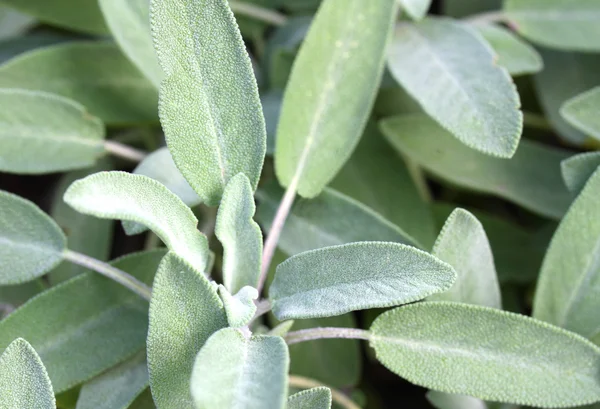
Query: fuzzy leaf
point(564, 24)
point(246, 373)
point(120, 195)
point(335, 280)
point(239, 234)
point(568, 291)
point(95, 74)
point(487, 353)
point(209, 105)
point(14, 23)
point(577, 169)
point(582, 112)
point(315, 398)
point(24, 382)
point(106, 322)
point(416, 9)
point(531, 178)
point(31, 242)
point(451, 72)
point(184, 312)
point(442, 400)
point(240, 308)
point(281, 329)
point(45, 133)
point(331, 91)
point(464, 245)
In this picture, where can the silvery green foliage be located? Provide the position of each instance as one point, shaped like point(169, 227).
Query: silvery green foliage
point(315, 398)
point(249, 373)
point(212, 118)
point(442, 400)
point(582, 112)
point(417, 9)
point(577, 169)
point(240, 308)
point(24, 383)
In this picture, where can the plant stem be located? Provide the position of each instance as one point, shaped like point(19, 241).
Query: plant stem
point(109, 271)
point(301, 382)
point(536, 121)
point(487, 18)
point(328, 332)
point(124, 151)
point(259, 13)
point(419, 178)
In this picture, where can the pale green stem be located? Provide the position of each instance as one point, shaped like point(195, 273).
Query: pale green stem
point(124, 151)
point(152, 241)
point(109, 271)
point(257, 12)
point(311, 334)
point(418, 177)
point(300, 382)
point(489, 17)
point(536, 121)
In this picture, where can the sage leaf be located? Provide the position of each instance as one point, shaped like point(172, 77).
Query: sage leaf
point(240, 308)
point(129, 22)
point(582, 112)
point(442, 400)
point(94, 73)
point(463, 244)
point(530, 179)
point(14, 23)
point(113, 327)
point(416, 9)
point(184, 312)
point(568, 25)
point(209, 105)
point(577, 169)
point(31, 242)
point(246, 373)
point(45, 133)
point(120, 195)
point(281, 329)
point(239, 234)
point(450, 70)
point(24, 382)
point(331, 91)
point(487, 353)
point(116, 388)
point(335, 280)
point(315, 398)
point(514, 54)
point(568, 290)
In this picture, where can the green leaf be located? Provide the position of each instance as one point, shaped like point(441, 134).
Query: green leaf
point(120, 195)
point(271, 105)
point(331, 91)
point(442, 400)
point(24, 382)
point(281, 329)
point(95, 74)
point(582, 112)
point(78, 15)
point(568, 291)
point(45, 133)
point(239, 234)
point(209, 105)
point(315, 398)
point(246, 373)
point(335, 280)
point(240, 308)
point(568, 25)
point(450, 70)
point(327, 220)
point(86, 314)
point(129, 22)
point(514, 54)
point(463, 244)
point(14, 23)
point(487, 353)
point(530, 179)
point(116, 388)
point(184, 312)
point(144, 401)
point(32, 243)
point(416, 9)
point(577, 169)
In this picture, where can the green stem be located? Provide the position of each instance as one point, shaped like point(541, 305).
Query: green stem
point(124, 151)
point(301, 382)
point(311, 334)
point(536, 121)
point(259, 13)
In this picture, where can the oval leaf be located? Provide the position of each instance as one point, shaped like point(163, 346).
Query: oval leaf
point(339, 279)
point(209, 105)
point(442, 400)
point(232, 371)
point(32, 243)
point(582, 112)
point(487, 353)
point(451, 72)
point(577, 169)
point(315, 398)
point(240, 308)
point(331, 91)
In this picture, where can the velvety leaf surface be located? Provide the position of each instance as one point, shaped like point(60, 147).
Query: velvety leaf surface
point(531, 178)
point(487, 353)
point(441, 400)
point(184, 312)
point(137, 198)
point(451, 72)
point(209, 105)
point(315, 398)
point(14, 23)
point(339, 279)
point(24, 382)
point(87, 324)
point(232, 371)
point(416, 9)
point(577, 169)
point(582, 112)
point(240, 307)
point(31, 243)
point(331, 91)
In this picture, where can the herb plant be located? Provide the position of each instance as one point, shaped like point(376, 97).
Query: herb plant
point(349, 133)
